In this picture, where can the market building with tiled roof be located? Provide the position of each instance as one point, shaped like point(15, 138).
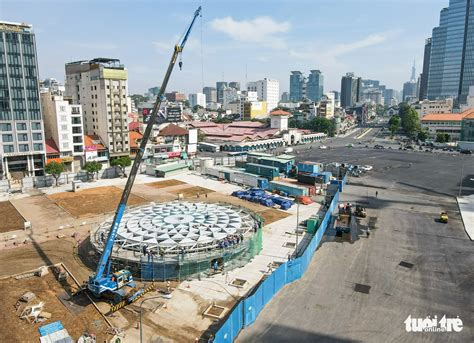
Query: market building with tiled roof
point(445, 123)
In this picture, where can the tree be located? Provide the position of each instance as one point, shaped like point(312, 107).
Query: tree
point(443, 137)
point(394, 124)
point(423, 135)
point(410, 122)
point(92, 167)
point(122, 162)
point(321, 124)
point(55, 169)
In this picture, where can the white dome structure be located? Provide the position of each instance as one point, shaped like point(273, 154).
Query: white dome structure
point(170, 228)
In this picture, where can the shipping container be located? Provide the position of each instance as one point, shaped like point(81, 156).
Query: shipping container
point(339, 184)
point(309, 167)
point(292, 190)
point(263, 170)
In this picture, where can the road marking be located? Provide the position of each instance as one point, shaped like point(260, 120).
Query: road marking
point(363, 134)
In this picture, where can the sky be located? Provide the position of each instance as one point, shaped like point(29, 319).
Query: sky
point(243, 40)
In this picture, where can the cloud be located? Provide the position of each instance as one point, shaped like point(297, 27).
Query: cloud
point(332, 52)
point(262, 30)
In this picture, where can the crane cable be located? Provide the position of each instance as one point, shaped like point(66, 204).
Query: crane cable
point(202, 58)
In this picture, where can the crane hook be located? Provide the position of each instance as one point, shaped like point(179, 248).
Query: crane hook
point(180, 63)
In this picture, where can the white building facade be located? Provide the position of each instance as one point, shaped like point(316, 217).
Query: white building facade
point(268, 90)
point(101, 87)
point(434, 106)
point(197, 99)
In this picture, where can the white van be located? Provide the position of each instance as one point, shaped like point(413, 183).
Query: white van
point(288, 150)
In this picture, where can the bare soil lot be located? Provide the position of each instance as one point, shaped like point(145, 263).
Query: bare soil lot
point(165, 183)
point(192, 192)
point(93, 201)
point(47, 289)
point(11, 218)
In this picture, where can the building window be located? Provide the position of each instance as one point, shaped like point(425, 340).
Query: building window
point(63, 118)
point(37, 136)
point(23, 148)
point(37, 146)
point(5, 127)
point(21, 126)
point(62, 108)
point(22, 137)
point(36, 126)
point(65, 136)
point(64, 127)
point(65, 145)
point(7, 138)
point(7, 148)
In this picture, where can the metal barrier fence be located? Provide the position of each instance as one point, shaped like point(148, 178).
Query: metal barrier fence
point(247, 310)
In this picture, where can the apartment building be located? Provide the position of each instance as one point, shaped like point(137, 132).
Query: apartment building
point(22, 146)
point(101, 87)
point(63, 124)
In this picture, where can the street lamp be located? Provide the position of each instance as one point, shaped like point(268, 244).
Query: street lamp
point(141, 312)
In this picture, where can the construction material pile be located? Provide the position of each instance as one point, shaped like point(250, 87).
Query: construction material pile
point(258, 195)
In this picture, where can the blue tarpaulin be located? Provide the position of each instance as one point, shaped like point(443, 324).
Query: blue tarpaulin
point(50, 328)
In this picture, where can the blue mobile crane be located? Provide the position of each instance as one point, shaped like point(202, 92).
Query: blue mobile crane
point(103, 282)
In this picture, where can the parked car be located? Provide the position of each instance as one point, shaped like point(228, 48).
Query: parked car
point(288, 150)
point(467, 152)
point(323, 147)
point(366, 167)
point(378, 146)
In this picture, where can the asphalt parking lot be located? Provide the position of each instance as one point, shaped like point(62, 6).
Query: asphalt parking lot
point(363, 291)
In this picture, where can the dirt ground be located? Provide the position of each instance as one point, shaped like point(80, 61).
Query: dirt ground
point(11, 218)
point(93, 201)
point(192, 192)
point(272, 215)
point(81, 318)
point(165, 183)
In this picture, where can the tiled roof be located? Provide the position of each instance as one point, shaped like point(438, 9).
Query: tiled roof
point(51, 147)
point(448, 116)
point(469, 114)
point(134, 137)
point(173, 130)
point(93, 142)
point(280, 113)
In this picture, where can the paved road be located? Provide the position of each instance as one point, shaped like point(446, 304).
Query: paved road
point(324, 306)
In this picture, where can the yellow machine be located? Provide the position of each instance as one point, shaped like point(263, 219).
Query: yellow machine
point(443, 217)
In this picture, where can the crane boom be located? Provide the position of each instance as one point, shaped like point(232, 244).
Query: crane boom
point(100, 281)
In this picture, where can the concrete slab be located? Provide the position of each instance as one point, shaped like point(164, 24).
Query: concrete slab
point(466, 207)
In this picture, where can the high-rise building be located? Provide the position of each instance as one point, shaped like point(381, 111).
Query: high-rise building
point(210, 93)
point(337, 98)
point(175, 96)
point(197, 99)
point(235, 85)
point(220, 85)
point(100, 86)
point(285, 96)
point(409, 91)
point(297, 86)
point(63, 124)
point(315, 85)
point(426, 68)
point(390, 97)
point(268, 90)
point(451, 70)
point(22, 146)
point(413, 73)
point(350, 90)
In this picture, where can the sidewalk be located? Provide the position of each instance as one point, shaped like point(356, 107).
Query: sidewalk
point(466, 207)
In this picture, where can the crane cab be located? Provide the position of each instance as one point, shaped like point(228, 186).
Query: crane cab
point(122, 278)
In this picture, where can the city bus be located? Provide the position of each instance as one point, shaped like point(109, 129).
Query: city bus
point(208, 147)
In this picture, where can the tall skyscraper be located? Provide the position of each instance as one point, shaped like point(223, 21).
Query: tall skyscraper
point(210, 93)
point(451, 70)
point(426, 69)
point(235, 85)
point(315, 85)
point(100, 86)
point(220, 85)
point(413, 72)
point(22, 146)
point(297, 86)
point(350, 90)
